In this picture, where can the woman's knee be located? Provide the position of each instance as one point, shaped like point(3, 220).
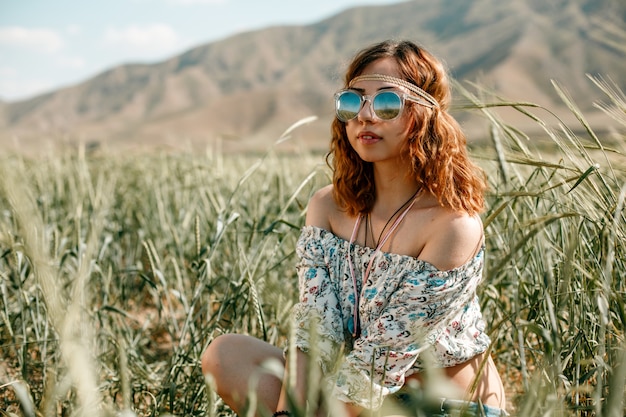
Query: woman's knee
point(232, 351)
point(231, 360)
point(215, 356)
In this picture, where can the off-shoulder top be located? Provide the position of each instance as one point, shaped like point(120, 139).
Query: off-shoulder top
point(412, 315)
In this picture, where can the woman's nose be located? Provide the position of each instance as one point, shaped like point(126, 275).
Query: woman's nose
point(366, 113)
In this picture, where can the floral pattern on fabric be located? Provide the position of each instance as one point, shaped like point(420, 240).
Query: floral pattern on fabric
point(407, 307)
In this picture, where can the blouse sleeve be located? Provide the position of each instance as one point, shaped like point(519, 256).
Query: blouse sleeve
point(317, 315)
point(416, 314)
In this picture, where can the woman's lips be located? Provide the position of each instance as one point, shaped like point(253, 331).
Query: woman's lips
point(368, 137)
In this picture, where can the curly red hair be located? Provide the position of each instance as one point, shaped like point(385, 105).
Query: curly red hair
point(436, 145)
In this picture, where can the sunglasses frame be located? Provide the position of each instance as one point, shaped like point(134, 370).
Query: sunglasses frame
point(371, 97)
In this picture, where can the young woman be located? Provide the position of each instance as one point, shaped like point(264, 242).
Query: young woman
point(389, 259)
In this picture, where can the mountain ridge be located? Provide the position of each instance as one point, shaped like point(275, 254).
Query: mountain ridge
point(249, 87)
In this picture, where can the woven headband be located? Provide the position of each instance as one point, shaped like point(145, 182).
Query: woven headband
point(398, 81)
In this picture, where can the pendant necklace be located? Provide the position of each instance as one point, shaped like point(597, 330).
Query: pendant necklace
point(356, 331)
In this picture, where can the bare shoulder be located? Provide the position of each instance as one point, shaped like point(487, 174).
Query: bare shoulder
point(453, 239)
point(321, 208)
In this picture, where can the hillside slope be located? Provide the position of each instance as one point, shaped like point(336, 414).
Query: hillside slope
point(247, 88)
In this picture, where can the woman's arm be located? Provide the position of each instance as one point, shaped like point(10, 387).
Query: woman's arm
point(299, 388)
point(319, 212)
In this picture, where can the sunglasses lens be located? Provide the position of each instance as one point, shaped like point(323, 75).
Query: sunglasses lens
point(387, 105)
point(347, 105)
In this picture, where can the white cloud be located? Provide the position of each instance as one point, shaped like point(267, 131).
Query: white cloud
point(71, 62)
point(150, 37)
point(44, 40)
point(8, 71)
point(73, 29)
point(12, 88)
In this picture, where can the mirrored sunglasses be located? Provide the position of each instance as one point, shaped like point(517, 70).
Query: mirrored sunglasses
point(386, 104)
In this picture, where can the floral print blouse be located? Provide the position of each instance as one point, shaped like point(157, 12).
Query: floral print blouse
point(412, 315)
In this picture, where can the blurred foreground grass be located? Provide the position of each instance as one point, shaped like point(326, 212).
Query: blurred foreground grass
point(116, 272)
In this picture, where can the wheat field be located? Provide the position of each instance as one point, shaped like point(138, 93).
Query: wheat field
point(117, 271)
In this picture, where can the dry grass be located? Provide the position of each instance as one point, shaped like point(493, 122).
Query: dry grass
point(116, 272)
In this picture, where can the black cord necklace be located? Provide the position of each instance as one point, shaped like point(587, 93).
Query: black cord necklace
point(355, 329)
point(369, 221)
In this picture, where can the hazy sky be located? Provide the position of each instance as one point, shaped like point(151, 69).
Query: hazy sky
point(46, 44)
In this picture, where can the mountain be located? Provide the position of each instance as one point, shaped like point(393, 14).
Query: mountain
point(246, 89)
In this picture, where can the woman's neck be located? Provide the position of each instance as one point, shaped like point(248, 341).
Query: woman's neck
point(393, 188)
